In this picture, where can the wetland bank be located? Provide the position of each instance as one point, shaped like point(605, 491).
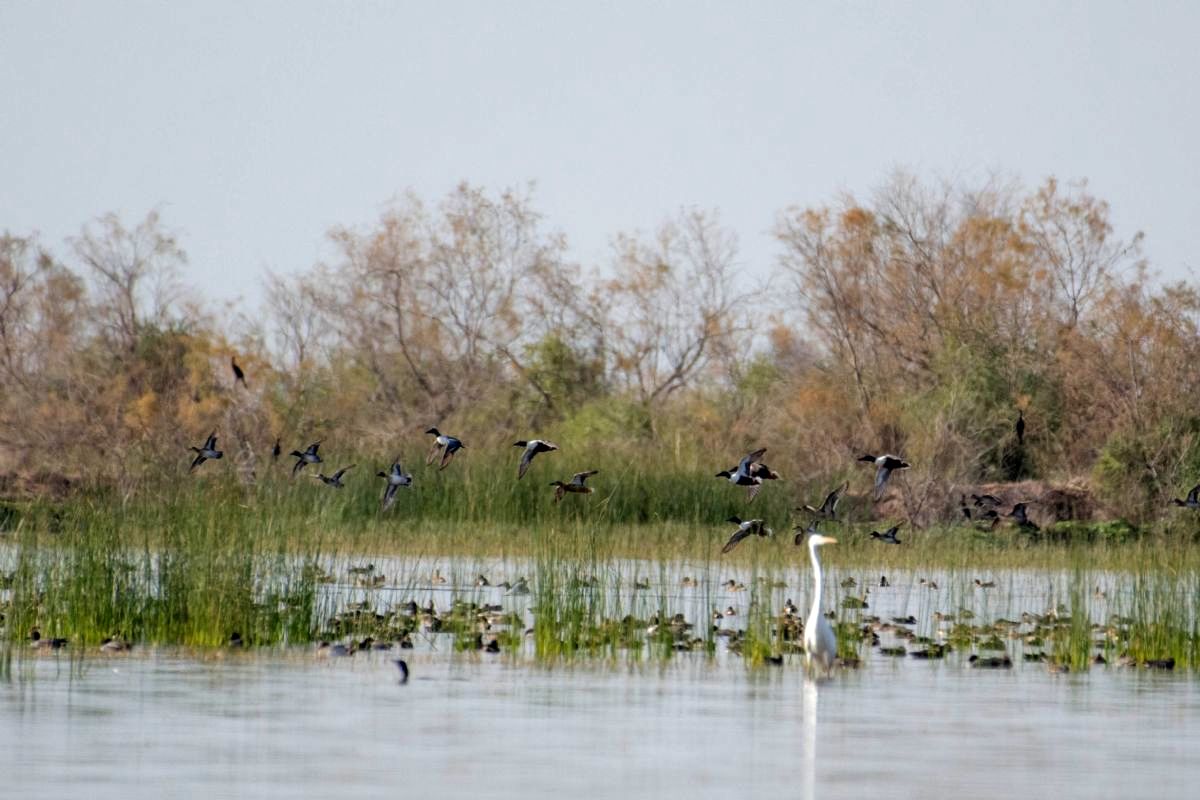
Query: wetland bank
point(169, 574)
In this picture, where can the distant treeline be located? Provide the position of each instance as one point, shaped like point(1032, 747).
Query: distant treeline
point(920, 321)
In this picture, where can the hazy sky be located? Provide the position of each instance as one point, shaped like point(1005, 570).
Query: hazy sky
point(254, 127)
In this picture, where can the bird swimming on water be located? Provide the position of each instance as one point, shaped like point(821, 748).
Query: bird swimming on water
point(532, 448)
point(820, 643)
point(888, 536)
point(309, 456)
point(828, 509)
point(748, 527)
point(576, 485)
point(206, 451)
point(396, 477)
point(750, 472)
point(448, 445)
point(335, 480)
point(884, 466)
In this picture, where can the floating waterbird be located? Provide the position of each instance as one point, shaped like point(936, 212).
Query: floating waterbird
point(888, 536)
point(395, 477)
point(828, 509)
point(238, 375)
point(206, 451)
point(1192, 501)
point(532, 448)
point(749, 527)
point(403, 667)
point(309, 456)
point(38, 643)
point(820, 644)
point(884, 465)
point(985, 584)
point(576, 485)
point(750, 472)
point(448, 445)
point(335, 480)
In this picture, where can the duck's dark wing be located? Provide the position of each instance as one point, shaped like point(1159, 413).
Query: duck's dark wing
point(559, 491)
point(211, 442)
point(891, 532)
point(544, 446)
point(447, 454)
point(739, 534)
point(744, 465)
point(197, 461)
point(829, 507)
point(881, 476)
point(337, 476)
point(312, 448)
point(526, 458)
point(300, 464)
point(389, 495)
point(433, 451)
point(580, 477)
point(1194, 495)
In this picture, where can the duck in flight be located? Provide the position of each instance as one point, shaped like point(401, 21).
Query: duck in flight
point(888, 536)
point(575, 485)
point(532, 448)
point(1192, 501)
point(206, 451)
point(448, 445)
point(395, 477)
point(335, 480)
point(1023, 521)
point(309, 456)
point(748, 527)
point(828, 509)
point(238, 375)
point(884, 465)
point(750, 472)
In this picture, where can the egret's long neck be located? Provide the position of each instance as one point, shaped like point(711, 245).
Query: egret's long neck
point(816, 565)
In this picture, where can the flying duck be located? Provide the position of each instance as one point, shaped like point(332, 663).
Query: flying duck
point(238, 375)
point(335, 480)
point(206, 451)
point(888, 536)
point(575, 485)
point(803, 532)
point(749, 527)
point(309, 456)
point(750, 472)
point(532, 448)
point(449, 445)
point(1192, 501)
point(1023, 521)
point(883, 469)
point(396, 477)
point(828, 509)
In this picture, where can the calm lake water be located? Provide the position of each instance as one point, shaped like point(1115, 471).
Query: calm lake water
point(247, 725)
point(287, 724)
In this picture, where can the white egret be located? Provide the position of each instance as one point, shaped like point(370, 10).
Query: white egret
point(820, 644)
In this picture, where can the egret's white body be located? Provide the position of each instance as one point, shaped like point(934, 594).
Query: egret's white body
point(820, 644)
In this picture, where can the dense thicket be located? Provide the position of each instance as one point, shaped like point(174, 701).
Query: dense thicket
point(917, 321)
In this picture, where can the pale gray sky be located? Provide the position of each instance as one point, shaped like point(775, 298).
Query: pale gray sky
point(257, 126)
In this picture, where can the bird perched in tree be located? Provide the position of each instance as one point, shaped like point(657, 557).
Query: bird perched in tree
point(309, 456)
point(238, 375)
point(532, 448)
point(334, 480)
point(828, 509)
point(396, 477)
point(884, 466)
point(749, 527)
point(448, 445)
point(206, 451)
point(576, 485)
